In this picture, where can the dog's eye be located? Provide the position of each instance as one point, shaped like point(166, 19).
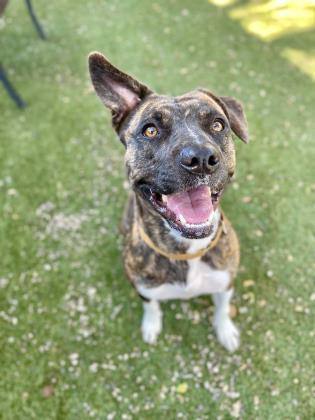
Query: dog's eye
point(217, 125)
point(150, 131)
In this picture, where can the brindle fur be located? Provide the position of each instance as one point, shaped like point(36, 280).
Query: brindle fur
point(182, 120)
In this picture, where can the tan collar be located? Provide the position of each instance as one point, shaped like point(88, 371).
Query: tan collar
point(184, 256)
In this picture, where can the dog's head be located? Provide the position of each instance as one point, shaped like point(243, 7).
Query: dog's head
point(179, 150)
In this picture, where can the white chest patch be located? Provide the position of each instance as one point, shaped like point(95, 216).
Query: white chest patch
point(201, 279)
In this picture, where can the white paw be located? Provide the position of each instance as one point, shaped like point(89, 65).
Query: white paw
point(227, 333)
point(151, 323)
point(150, 330)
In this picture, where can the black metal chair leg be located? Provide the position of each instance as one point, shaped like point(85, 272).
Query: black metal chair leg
point(36, 23)
point(10, 89)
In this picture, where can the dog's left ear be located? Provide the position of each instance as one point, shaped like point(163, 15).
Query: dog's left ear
point(235, 113)
point(117, 90)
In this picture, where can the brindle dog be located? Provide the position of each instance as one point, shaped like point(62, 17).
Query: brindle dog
point(180, 155)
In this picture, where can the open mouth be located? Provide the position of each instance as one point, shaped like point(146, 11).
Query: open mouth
point(189, 212)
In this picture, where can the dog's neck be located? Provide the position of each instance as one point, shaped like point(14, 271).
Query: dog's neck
point(169, 238)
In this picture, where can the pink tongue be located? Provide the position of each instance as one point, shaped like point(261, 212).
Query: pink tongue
point(194, 205)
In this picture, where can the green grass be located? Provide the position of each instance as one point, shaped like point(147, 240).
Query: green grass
point(61, 189)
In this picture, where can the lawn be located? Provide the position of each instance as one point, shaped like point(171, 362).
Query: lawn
point(70, 337)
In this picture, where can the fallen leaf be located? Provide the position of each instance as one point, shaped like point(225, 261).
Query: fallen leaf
point(262, 303)
point(182, 388)
point(236, 409)
point(248, 283)
point(233, 311)
point(48, 391)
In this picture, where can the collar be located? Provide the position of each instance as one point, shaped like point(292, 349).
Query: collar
point(183, 256)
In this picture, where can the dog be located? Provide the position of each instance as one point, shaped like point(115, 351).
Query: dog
point(179, 156)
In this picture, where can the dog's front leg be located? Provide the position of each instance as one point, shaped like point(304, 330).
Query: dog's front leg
point(227, 333)
point(151, 321)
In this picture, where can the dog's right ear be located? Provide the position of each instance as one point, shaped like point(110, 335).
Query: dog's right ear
point(117, 90)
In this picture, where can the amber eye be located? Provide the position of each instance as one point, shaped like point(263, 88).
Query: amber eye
point(150, 131)
point(217, 125)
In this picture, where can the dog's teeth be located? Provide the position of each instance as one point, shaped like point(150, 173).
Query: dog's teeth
point(164, 198)
point(182, 219)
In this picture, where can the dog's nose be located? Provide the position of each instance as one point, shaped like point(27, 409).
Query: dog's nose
point(199, 160)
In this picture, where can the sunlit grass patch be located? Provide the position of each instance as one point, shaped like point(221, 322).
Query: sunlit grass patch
point(273, 19)
point(222, 3)
point(305, 61)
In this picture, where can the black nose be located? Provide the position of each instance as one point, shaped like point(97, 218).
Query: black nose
point(199, 160)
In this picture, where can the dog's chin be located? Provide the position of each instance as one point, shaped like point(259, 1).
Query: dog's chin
point(189, 212)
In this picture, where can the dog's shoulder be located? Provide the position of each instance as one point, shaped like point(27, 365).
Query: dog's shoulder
point(128, 215)
point(226, 254)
